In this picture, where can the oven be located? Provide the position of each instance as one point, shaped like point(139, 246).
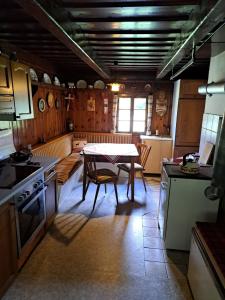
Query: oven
point(30, 211)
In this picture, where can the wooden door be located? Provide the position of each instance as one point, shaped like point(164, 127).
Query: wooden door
point(5, 77)
point(189, 89)
point(8, 246)
point(22, 91)
point(189, 122)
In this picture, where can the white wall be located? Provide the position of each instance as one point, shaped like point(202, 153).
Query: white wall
point(216, 103)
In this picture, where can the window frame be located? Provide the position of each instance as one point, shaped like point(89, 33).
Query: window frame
point(132, 114)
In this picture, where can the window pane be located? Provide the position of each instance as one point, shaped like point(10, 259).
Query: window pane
point(139, 115)
point(124, 103)
point(139, 103)
point(138, 126)
point(124, 115)
point(124, 126)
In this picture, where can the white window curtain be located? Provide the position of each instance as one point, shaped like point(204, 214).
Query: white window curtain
point(114, 112)
point(149, 114)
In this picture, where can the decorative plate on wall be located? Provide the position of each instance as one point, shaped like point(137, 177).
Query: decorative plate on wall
point(57, 103)
point(46, 78)
point(81, 84)
point(33, 75)
point(41, 104)
point(56, 81)
point(50, 99)
point(99, 84)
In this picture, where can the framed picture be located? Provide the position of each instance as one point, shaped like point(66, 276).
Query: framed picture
point(91, 104)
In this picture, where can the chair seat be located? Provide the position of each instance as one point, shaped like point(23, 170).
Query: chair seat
point(127, 167)
point(102, 175)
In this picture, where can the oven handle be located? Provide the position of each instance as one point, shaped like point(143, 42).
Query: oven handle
point(33, 200)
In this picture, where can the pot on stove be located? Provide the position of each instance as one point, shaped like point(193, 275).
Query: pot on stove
point(20, 156)
point(189, 165)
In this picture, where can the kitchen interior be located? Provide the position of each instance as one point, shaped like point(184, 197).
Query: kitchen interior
point(79, 73)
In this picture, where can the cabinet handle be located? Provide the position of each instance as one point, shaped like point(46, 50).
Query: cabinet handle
point(18, 117)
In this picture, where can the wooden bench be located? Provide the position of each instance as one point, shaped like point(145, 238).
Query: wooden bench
point(70, 166)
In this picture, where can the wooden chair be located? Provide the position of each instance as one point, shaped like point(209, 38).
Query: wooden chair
point(99, 176)
point(139, 166)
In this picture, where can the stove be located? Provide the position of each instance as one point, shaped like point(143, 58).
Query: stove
point(12, 174)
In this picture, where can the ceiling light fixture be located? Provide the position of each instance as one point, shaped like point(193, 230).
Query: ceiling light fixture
point(115, 86)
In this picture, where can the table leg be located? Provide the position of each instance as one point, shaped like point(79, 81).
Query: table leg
point(132, 178)
point(84, 178)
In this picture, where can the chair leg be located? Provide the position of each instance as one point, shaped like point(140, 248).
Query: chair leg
point(87, 187)
point(115, 188)
point(96, 196)
point(128, 184)
point(118, 172)
point(105, 189)
point(143, 179)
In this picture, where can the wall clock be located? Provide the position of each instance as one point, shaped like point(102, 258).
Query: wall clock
point(41, 104)
point(50, 99)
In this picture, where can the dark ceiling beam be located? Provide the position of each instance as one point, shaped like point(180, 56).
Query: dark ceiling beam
point(97, 4)
point(124, 39)
point(132, 31)
point(149, 18)
point(106, 55)
point(132, 45)
point(130, 50)
point(33, 8)
point(202, 32)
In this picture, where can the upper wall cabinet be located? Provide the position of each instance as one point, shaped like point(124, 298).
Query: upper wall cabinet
point(22, 91)
point(15, 91)
point(189, 88)
point(5, 77)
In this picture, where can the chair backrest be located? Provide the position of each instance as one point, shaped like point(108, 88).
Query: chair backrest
point(144, 151)
point(91, 164)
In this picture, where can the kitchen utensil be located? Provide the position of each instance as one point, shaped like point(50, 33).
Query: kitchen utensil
point(189, 165)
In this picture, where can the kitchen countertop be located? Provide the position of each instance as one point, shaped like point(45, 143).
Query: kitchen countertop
point(156, 137)
point(173, 170)
point(46, 163)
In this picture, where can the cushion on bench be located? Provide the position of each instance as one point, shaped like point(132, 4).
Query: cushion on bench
point(66, 167)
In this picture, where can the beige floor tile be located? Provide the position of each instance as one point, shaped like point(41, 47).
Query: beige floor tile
point(176, 257)
point(151, 232)
point(155, 255)
point(176, 271)
point(153, 242)
point(150, 223)
point(155, 269)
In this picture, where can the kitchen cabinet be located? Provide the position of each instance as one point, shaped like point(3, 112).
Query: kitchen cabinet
point(50, 196)
point(160, 148)
point(187, 114)
point(182, 203)
point(8, 246)
point(22, 91)
point(5, 77)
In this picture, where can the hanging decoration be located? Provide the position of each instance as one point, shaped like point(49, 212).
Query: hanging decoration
point(149, 114)
point(161, 104)
point(91, 104)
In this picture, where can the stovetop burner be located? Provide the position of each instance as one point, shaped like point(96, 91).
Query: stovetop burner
point(13, 173)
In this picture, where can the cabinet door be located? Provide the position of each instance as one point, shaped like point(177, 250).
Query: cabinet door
point(8, 246)
point(51, 199)
point(22, 91)
point(189, 122)
point(153, 162)
point(5, 77)
point(189, 89)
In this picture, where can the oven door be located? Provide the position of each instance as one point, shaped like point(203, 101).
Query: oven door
point(30, 217)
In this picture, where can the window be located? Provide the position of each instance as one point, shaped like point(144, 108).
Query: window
point(131, 115)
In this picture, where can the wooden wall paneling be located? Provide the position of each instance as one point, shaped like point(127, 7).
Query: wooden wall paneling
point(45, 125)
point(162, 124)
point(93, 121)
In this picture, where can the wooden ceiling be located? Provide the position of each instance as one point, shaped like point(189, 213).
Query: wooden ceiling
point(155, 38)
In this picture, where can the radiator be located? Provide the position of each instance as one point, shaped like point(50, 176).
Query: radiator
point(95, 137)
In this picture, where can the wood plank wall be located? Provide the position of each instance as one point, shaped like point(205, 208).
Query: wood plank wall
point(99, 122)
point(93, 121)
point(45, 125)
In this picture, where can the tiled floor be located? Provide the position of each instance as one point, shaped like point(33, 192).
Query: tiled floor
point(114, 252)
